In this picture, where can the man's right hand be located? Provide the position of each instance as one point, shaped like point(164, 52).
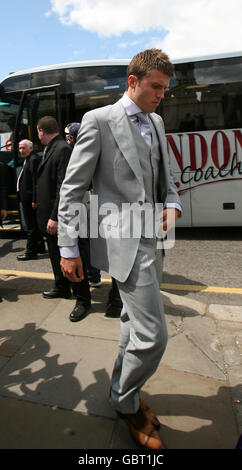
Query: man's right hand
point(72, 269)
point(4, 213)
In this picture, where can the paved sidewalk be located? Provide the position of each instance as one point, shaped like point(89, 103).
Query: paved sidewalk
point(55, 375)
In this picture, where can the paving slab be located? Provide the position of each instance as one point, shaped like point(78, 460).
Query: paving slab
point(3, 361)
point(19, 319)
point(181, 354)
point(24, 425)
point(226, 312)
point(14, 286)
point(202, 333)
point(95, 325)
point(193, 409)
point(63, 370)
point(183, 305)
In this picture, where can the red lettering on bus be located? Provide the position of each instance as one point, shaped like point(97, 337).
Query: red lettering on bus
point(204, 150)
point(237, 136)
point(214, 149)
point(8, 144)
point(177, 153)
point(221, 148)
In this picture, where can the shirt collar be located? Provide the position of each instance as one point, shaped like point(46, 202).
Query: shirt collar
point(129, 106)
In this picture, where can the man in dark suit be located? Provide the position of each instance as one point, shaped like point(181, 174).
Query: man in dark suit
point(3, 193)
point(93, 274)
point(3, 196)
point(50, 175)
point(26, 193)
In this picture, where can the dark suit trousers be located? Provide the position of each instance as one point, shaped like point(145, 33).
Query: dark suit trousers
point(94, 275)
point(81, 289)
point(34, 235)
point(114, 295)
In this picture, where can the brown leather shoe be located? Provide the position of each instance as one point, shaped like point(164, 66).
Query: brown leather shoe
point(150, 414)
point(142, 430)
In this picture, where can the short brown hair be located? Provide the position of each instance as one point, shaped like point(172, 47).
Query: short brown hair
point(145, 61)
point(49, 125)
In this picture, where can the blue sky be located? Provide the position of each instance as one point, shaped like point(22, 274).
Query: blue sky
point(54, 31)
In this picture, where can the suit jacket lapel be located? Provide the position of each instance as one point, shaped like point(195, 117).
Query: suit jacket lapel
point(49, 152)
point(47, 156)
point(120, 127)
point(162, 140)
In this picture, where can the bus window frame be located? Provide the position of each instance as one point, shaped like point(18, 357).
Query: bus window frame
point(24, 93)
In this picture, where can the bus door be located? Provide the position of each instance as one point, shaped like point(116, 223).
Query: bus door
point(19, 113)
point(9, 109)
point(36, 103)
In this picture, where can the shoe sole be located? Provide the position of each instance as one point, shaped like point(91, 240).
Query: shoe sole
point(59, 297)
point(107, 315)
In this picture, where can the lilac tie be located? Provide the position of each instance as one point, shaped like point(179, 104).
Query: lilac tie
point(144, 127)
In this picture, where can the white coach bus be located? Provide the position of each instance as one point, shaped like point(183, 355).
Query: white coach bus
point(202, 111)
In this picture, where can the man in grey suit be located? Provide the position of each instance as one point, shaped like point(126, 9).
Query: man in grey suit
point(121, 149)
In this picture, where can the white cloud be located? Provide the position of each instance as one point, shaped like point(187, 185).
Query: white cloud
point(107, 17)
point(124, 45)
point(48, 13)
point(194, 27)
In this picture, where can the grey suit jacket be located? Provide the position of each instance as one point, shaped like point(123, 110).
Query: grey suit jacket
point(106, 156)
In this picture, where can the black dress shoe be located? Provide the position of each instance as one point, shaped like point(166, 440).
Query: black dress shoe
point(41, 250)
point(27, 256)
point(57, 294)
point(113, 310)
point(80, 311)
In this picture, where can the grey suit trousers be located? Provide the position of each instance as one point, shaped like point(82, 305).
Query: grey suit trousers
point(143, 331)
